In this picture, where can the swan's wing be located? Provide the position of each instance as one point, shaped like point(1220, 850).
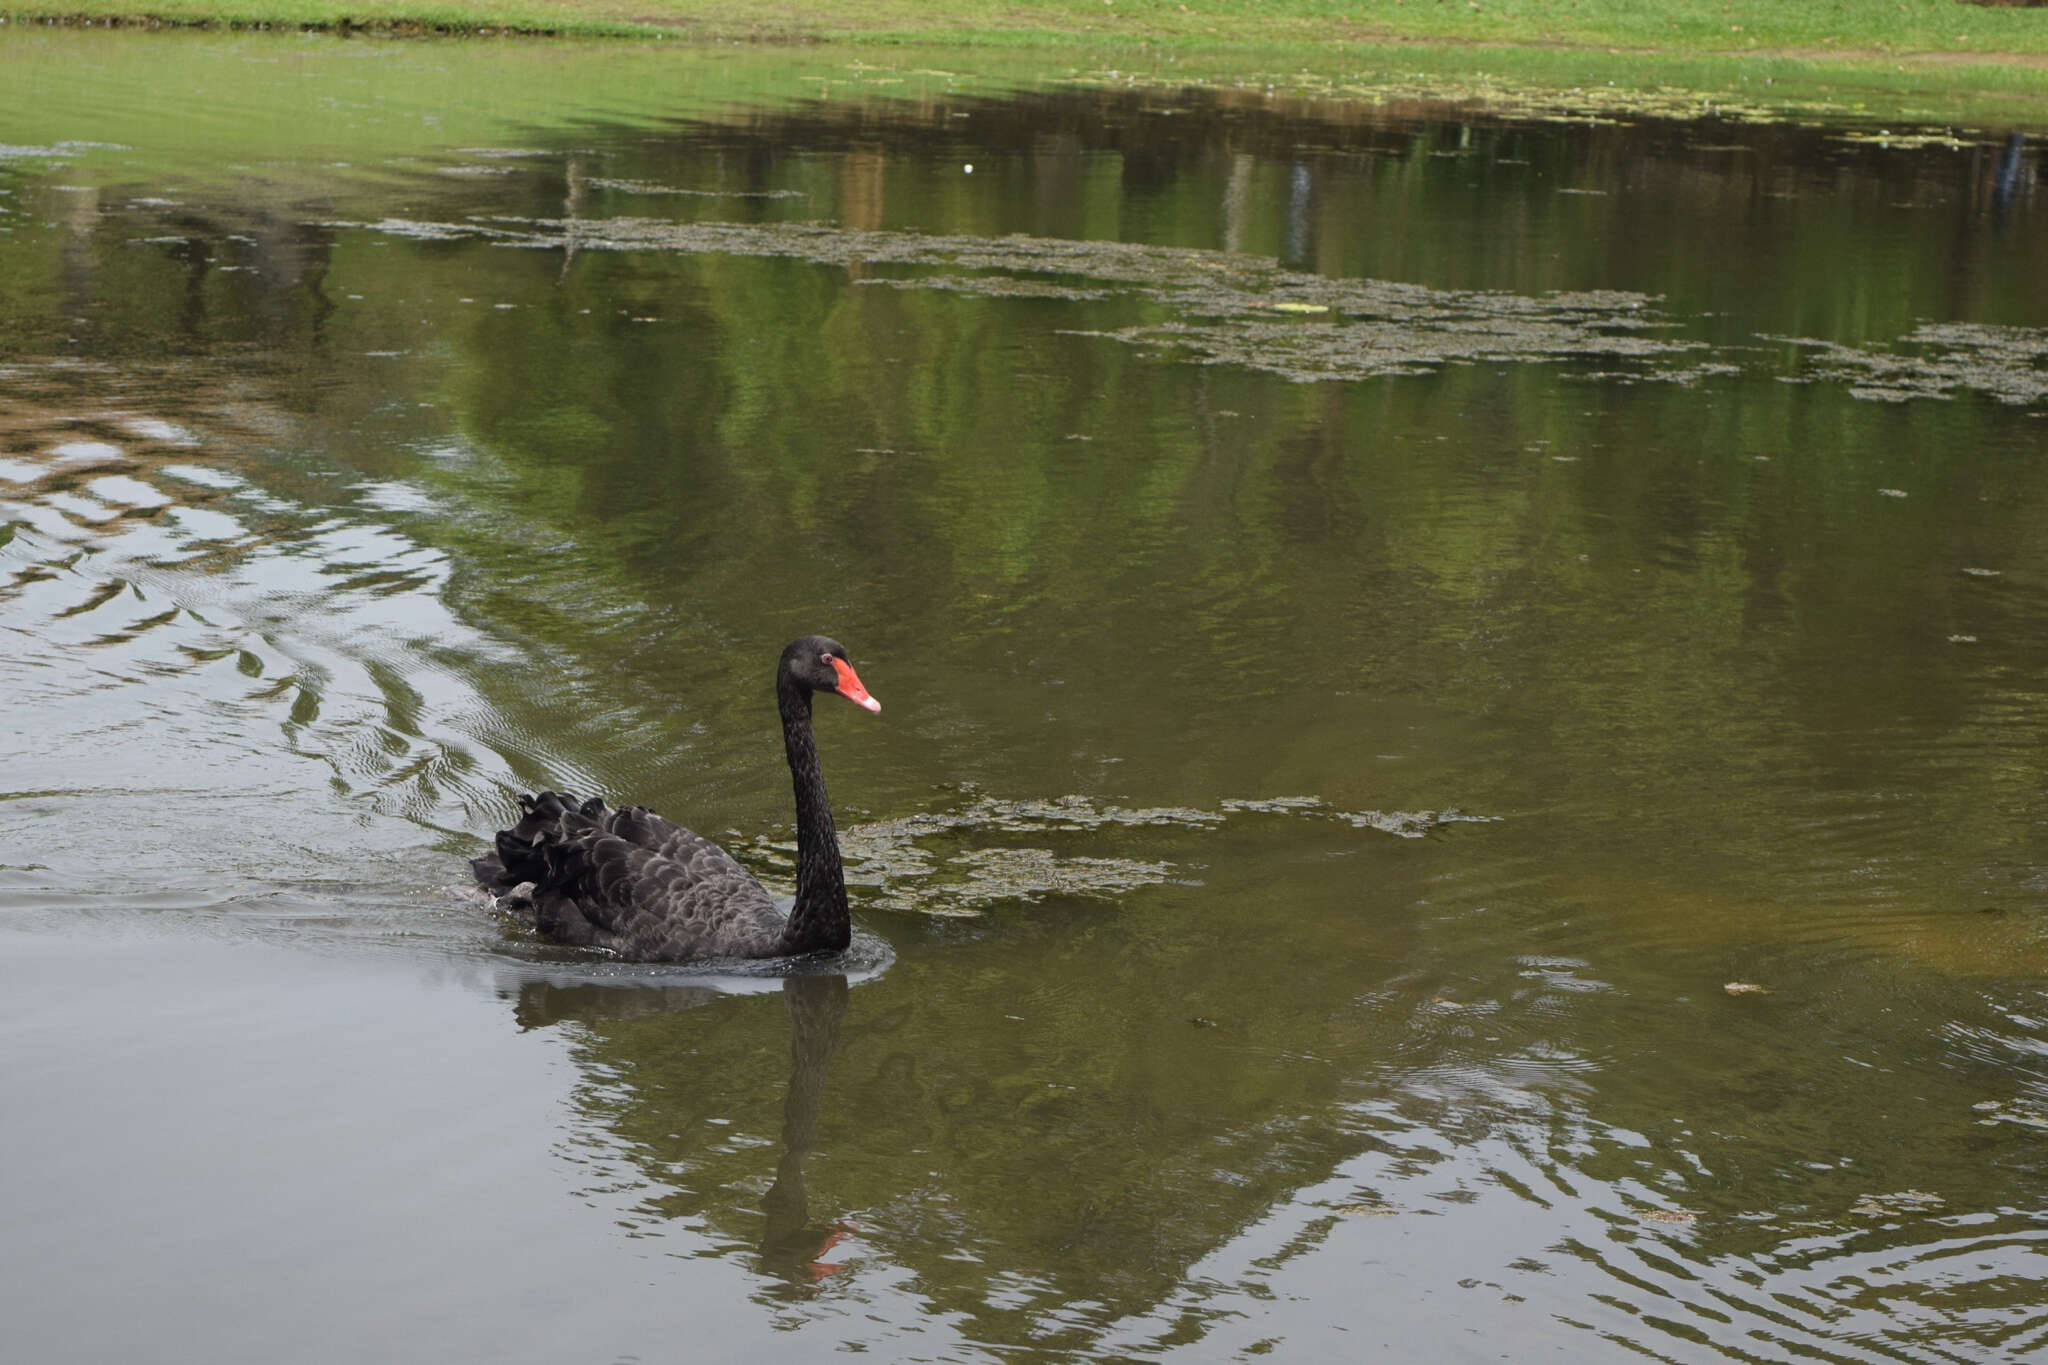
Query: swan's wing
point(688, 900)
point(642, 828)
point(632, 881)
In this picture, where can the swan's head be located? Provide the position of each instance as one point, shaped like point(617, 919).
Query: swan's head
point(819, 665)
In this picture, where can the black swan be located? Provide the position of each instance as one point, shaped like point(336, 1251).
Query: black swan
point(652, 891)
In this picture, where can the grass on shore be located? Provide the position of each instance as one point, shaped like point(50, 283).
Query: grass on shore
point(1922, 30)
point(1926, 61)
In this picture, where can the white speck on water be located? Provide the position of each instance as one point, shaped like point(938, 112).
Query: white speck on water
point(84, 453)
point(155, 429)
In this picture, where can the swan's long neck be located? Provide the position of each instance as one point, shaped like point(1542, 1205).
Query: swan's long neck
point(818, 922)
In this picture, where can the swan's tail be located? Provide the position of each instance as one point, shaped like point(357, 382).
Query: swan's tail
point(530, 851)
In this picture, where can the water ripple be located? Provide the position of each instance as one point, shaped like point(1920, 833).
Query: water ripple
point(276, 659)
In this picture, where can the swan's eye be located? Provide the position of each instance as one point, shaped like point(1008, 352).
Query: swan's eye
point(825, 659)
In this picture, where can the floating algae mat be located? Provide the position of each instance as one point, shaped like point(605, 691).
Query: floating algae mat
point(1225, 308)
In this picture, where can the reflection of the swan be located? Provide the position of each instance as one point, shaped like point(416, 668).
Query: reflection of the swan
point(791, 1246)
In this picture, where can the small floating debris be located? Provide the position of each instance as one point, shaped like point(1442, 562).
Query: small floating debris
point(1984, 573)
point(1746, 988)
point(1904, 1201)
point(1368, 1210)
point(648, 187)
point(1411, 824)
point(1892, 492)
point(1272, 805)
point(2000, 1111)
point(1404, 824)
point(1672, 1217)
point(1884, 137)
point(1962, 639)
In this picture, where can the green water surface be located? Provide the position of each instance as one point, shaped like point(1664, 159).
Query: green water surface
point(1462, 756)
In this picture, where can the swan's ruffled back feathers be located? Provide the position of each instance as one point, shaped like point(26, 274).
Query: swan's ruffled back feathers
point(630, 881)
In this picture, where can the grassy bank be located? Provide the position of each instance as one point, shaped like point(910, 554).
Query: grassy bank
point(1917, 30)
point(1936, 61)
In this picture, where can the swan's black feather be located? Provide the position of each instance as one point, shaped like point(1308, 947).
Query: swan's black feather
point(630, 881)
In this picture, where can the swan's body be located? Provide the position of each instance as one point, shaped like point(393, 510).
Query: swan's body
point(650, 890)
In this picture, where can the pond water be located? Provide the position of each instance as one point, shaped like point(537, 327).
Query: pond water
point(1462, 763)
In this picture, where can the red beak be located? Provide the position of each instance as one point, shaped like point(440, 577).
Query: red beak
point(850, 688)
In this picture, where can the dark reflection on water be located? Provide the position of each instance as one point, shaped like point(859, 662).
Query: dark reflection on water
point(1394, 621)
point(792, 1245)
